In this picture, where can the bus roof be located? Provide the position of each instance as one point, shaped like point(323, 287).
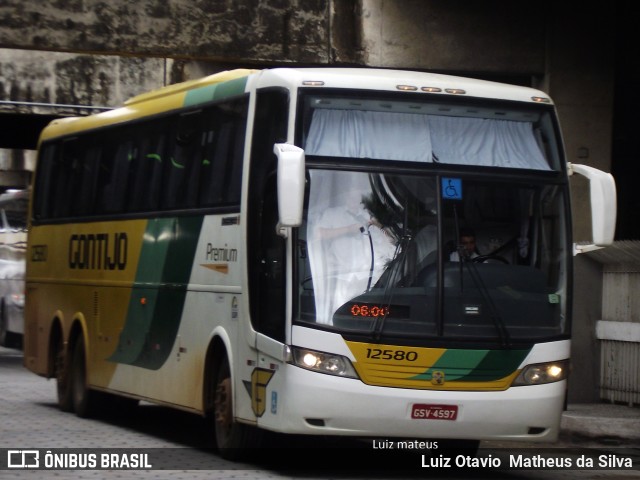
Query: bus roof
point(235, 82)
point(164, 99)
point(399, 80)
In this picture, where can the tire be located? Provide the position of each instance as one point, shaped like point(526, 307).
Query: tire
point(63, 384)
point(8, 339)
point(85, 401)
point(233, 439)
point(4, 334)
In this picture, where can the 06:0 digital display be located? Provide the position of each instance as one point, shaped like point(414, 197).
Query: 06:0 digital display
point(364, 310)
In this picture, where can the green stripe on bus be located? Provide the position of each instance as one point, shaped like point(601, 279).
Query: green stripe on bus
point(475, 365)
point(497, 364)
point(159, 292)
point(217, 91)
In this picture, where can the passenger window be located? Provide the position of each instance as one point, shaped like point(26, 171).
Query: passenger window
point(114, 171)
point(221, 167)
point(192, 160)
point(184, 162)
point(146, 163)
point(67, 177)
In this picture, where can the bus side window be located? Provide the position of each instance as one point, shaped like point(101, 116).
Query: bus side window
point(221, 166)
point(84, 188)
point(73, 166)
point(42, 207)
point(67, 172)
point(145, 177)
point(116, 172)
point(267, 249)
point(182, 166)
point(233, 172)
point(272, 269)
point(213, 165)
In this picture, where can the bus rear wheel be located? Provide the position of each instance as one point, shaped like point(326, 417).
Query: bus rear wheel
point(85, 400)
point(232, 438)
point(63, 385)
point(4, 331)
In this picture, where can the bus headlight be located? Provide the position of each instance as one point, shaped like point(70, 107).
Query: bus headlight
point(323, 362)
point(541, 373)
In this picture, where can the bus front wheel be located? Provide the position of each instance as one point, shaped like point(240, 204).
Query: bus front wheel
point(232, 438)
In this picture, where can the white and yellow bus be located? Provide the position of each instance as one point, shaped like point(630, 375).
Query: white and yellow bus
point(281, 250)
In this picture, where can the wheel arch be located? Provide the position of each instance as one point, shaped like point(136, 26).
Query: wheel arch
point(219, 347)
point(78, 328)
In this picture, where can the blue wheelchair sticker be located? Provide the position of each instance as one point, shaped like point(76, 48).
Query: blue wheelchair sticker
point(451, 188)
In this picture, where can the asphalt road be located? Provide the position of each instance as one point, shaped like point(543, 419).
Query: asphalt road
point(178, 446)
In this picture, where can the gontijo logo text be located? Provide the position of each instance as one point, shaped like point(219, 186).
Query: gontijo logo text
point(98, 251)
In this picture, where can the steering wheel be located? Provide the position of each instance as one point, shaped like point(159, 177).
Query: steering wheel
point(484, 258)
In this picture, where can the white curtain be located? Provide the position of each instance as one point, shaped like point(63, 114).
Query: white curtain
point(486, 142)
point(341, 240)
point(366, 134)
point(424, 138)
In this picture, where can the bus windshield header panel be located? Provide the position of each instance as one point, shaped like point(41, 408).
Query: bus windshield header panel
point(431, 129)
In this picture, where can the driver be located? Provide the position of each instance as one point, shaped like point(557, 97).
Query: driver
point(466, 246)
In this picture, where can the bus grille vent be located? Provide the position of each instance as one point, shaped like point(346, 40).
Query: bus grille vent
point(96, 305)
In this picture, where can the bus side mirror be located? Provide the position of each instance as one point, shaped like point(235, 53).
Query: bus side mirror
point(291, 183)
point(602, 188)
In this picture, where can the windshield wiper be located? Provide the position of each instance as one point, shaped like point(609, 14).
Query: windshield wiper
point(365, 231)
point(503, 333)
point(398, 262)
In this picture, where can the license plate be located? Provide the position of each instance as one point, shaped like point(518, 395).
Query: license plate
point(423, 411)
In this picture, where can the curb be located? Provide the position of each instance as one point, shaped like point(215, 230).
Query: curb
point(602, 421)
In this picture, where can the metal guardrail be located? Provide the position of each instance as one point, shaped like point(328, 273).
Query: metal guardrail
point(12, 103)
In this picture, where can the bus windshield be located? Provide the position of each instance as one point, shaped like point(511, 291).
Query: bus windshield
point(460, 256)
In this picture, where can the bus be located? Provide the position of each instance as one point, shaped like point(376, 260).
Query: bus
point(272, 249)
point(13, 248)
